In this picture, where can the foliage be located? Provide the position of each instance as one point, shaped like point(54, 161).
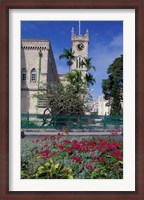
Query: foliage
point(47, 169)
point(81, 157)
point(86, 62)
point(113, 87)
point(90, 79)
point(68, 55)
point(70, 98)
point(64, 100)
point(75, 81)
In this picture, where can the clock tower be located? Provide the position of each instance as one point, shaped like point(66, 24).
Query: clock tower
point(80, 48)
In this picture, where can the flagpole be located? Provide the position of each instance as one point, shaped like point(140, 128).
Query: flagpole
point(79, 27)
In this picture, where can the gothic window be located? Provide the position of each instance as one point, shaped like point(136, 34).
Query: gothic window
point(33, 75)
point(78, 62)
point(24, 74)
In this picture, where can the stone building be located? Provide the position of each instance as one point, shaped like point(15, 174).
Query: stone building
point(103, 106)
point(37, 64)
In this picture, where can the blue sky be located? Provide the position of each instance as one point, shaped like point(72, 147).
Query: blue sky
point(105, 43)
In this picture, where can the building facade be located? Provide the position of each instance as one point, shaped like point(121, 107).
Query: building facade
point(37, 65)
point(103, 107)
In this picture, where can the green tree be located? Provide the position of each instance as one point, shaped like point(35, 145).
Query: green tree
point(63, 100)
point(87, 63)
point(74, 79)
point(90, 80)
point(89, 77)
point(113, 86)
point(71, 98)
point(69, 56)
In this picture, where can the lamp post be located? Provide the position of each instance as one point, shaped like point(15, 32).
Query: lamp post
point(39, 69)
point(39, 72)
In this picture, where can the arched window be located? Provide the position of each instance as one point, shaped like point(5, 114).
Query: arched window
point(24, 74)
point(78, 62)
point(33, 75)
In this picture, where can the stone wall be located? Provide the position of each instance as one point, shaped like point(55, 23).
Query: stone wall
point(30, 60)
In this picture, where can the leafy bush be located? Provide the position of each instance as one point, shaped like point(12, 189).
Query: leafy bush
point(48, 170)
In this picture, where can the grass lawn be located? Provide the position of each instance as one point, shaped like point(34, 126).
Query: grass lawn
point(71, 157)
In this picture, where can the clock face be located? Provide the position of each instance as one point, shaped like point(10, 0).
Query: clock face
point(80, 46)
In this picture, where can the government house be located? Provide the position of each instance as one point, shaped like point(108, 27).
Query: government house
point(38, 65)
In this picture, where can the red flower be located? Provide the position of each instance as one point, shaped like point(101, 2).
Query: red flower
point(76, 159)
point(69, 150)
point(45, 153)
point(118, 154)
point(54, 143)
point(65, 142)
point(90, 167)
point(103, 160)
point(83, 164)
point(83, 148)
point(61, 147)
point(60, 135)
point(52, 137)
point(74, 142)
point(46, 138)
point(115, 132)
point(93, 151)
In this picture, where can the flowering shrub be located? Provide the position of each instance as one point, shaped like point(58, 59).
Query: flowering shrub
point(78, 157)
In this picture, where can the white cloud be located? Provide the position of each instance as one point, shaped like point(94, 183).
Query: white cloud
point(117, 41)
